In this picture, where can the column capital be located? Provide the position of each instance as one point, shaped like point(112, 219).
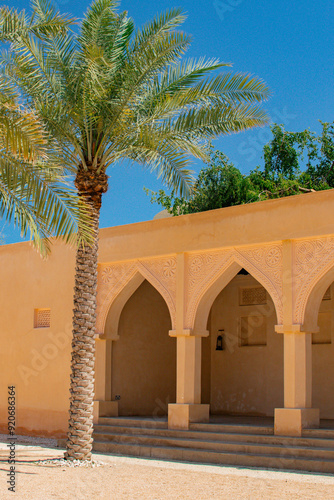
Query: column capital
point(188, 332)
point(295, 328)
point(105, 336)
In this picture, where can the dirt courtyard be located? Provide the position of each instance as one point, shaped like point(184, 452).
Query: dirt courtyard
point(117, 477)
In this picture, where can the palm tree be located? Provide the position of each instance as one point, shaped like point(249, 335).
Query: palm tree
point(107, 93)
point(34, 194)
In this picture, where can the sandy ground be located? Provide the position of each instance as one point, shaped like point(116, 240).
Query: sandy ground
point(133, 478)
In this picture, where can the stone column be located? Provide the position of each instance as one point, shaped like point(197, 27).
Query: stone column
point(103, 405)
point(188, 407)
point(297, 413)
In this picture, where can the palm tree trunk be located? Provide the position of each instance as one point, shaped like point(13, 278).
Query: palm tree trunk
point(79, 437)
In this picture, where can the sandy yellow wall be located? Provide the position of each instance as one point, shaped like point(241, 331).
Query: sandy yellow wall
point(144, 357)
point(36, 361)
point(301, 216)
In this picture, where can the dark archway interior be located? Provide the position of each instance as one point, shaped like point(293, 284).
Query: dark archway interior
point(323, 357)
point(144, 357)
point(245, 375)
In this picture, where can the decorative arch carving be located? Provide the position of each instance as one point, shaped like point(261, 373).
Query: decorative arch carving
point(115, 279)
point(202, 270)
point(313, 262)
point(207, 270)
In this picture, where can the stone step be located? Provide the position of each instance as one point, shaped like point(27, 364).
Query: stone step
point(219, 443)
point(162, 424)
point(100, 430)
point(319, 433)
point(134, 422)
point(233, 428)
point(214, 457)
point(220, 446)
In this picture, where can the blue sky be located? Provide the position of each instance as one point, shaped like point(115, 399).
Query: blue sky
point(287, 44)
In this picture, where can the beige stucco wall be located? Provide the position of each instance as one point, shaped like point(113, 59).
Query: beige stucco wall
point(144, 357)
point(301, 216)
point(36, 361)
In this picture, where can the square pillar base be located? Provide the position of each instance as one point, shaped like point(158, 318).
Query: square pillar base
point(292, 421)
point(104, 409)
point(181, 415)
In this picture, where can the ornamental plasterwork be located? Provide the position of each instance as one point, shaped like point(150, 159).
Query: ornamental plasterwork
point(312, 259)
point(201, 266)
point(265, 263)
point(268, 260)
point(201, 271)
point(164, 270)
point(204, 268)
point(113, 278)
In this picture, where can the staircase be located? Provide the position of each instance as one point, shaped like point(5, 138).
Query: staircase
point(216, 443)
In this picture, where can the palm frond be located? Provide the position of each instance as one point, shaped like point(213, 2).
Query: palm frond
point(234, 87)
point(45, 21)
point(38, 199)
point(158, 27)
point(169, 164)
point(21, 130)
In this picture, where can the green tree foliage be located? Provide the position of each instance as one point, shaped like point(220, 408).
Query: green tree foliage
point(219, 184)
point(294, 163)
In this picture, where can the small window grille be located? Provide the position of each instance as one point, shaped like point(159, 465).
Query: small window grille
point(253, 296)
point(42, 318)
point(327, 295)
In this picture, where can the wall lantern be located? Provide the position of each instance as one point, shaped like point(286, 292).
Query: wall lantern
point(220, 341)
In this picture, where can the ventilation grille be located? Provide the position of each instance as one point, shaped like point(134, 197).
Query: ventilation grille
point(327, 295)
point(42, 318)
point(253, 296)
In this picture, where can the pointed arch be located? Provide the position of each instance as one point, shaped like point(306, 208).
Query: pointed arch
point(313, 263)
point(112, 300)
point(313, 298)
point(218, 281)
